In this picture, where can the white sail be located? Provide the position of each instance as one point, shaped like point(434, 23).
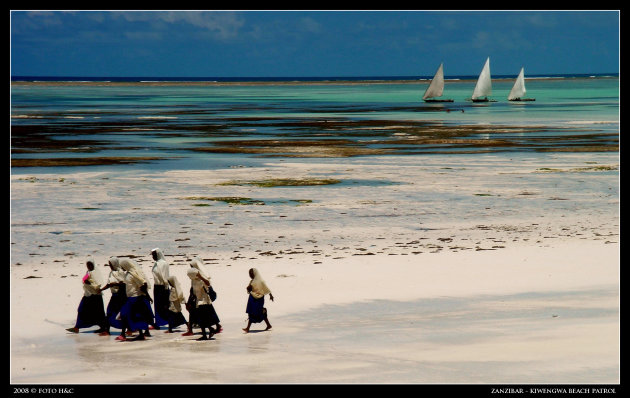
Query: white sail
point(518, 91)
point(436, 88)
point(484, 83)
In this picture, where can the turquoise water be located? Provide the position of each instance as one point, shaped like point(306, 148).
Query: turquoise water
point(171, 120)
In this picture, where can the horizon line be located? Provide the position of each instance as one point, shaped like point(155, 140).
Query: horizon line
point(297, 77)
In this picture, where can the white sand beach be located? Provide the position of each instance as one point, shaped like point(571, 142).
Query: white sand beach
point(423, 270)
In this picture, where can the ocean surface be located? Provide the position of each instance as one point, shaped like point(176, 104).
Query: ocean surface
point(205, 123)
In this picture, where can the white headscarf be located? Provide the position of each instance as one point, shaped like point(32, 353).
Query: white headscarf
point(198, 264)
point(174, 282)
point(198, 286)
point(94, 278)
point(176, 296)
point(116, 274)
point(192, 273)
point(259, 287)
point(160, 268)
point(134, 277)
point(113, 260)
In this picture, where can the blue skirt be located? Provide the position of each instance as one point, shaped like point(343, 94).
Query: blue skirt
point(113, 308)
point(206, 316)
point(161, 304)
point(136, 313)
point(175, 319)
point(256, 309)
point(91, 312)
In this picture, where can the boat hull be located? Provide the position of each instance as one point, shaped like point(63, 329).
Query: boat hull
point(483, 100)
point(522, 99)
point(438, 100)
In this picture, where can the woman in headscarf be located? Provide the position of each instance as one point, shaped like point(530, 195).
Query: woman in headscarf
point(116, 284)
point(197, 263)
point(205, 276)
point(161, 288)
point(91, 310)
point(136, 313)
point(176, 299)
point(257, 289)
point(204, 312)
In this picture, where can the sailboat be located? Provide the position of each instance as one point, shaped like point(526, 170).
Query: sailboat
point(518, 90)
point(483, 88)
point(436, 88)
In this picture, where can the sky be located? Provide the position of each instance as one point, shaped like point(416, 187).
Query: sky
point(281, 43)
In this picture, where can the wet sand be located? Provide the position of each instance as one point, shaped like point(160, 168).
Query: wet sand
point(458, 319)
point(431, 269)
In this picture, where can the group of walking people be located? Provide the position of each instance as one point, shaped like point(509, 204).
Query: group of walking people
point(132, 309)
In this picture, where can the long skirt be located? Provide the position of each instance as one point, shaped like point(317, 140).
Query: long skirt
point(113, 308)
point(256, 309)
point(175, 319)
point(161, 303)
point(191, 306)
point(136, 313)
point(91, 312)
point(206, 316)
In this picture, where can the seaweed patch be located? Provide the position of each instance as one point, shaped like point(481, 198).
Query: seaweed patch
point(234, 200)
point(96, 161)
point(284, 182)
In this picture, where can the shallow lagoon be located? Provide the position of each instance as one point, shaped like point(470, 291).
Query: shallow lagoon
point(174, 121)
